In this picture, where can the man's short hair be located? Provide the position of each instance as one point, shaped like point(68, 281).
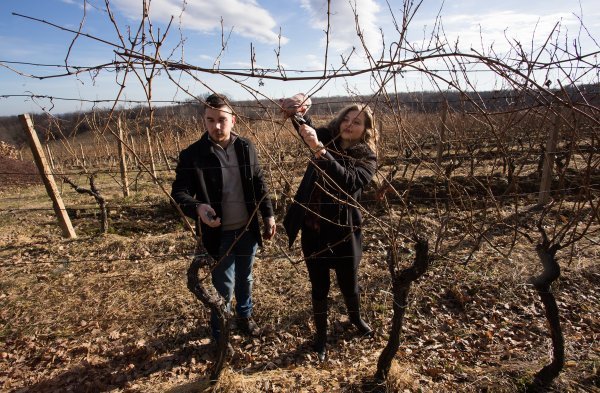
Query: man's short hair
point(216, 101)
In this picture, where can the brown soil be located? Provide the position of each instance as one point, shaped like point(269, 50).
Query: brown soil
point(112, 313)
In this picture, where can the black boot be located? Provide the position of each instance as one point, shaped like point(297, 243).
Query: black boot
point(353, 305)
point(320, 316)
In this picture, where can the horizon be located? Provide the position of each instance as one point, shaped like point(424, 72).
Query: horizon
point(317, 100)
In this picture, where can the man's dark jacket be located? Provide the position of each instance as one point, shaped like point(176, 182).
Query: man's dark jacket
point(198, 179)
point(343, 174)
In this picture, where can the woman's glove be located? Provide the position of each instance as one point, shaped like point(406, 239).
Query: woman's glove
point(298, 103)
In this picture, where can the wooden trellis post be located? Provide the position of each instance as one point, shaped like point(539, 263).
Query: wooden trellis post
point(50, 158)
point(83, 162)
point(161, 150)
point(122, 160)
point(442, 137)
point(135, 156)
point(177, 144)
point(152, 166)
point(47, 177)
point(547, 171)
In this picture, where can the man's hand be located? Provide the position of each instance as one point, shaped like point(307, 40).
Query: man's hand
point(207, 215)
point(270, 228)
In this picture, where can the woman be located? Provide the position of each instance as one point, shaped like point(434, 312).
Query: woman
point(325, 210)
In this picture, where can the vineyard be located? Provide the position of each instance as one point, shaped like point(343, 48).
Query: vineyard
point(111, 311)
point(481, 228)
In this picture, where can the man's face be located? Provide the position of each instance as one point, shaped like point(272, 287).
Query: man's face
point(219, 123)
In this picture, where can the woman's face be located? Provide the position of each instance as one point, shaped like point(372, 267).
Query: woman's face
point(352, 126)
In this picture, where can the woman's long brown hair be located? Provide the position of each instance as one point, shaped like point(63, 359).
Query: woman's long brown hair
point(370, 135)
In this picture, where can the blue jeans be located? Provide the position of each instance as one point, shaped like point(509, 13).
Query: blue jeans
point(234, 273)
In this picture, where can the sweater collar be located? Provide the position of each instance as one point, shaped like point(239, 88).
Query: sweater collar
point(232, 140)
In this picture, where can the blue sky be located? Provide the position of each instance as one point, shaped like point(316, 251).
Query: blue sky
point(294, 28)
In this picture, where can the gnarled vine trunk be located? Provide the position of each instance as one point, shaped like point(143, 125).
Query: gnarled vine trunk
point(542, 284)
point(401, 283)
point(215, 303)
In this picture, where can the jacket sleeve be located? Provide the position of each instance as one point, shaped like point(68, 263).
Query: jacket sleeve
point(184, 189)
point(354, 173)
point(261, 190)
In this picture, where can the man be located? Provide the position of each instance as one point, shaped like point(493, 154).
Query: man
point(220, 184)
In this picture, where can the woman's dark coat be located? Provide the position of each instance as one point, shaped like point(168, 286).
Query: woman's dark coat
point(343, 174)
point(198, 179)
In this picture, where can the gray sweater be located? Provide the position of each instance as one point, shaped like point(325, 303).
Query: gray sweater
point(235, 214)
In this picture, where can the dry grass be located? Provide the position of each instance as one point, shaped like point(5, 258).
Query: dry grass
point(112, 312)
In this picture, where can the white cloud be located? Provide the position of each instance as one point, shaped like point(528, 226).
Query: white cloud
point(499, 28)
point(78, 3)
point(503, 24)
point(343, 35)
point(314, 63)
point(246, 17)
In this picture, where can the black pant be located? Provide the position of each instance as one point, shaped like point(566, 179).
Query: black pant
point(322, 255)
